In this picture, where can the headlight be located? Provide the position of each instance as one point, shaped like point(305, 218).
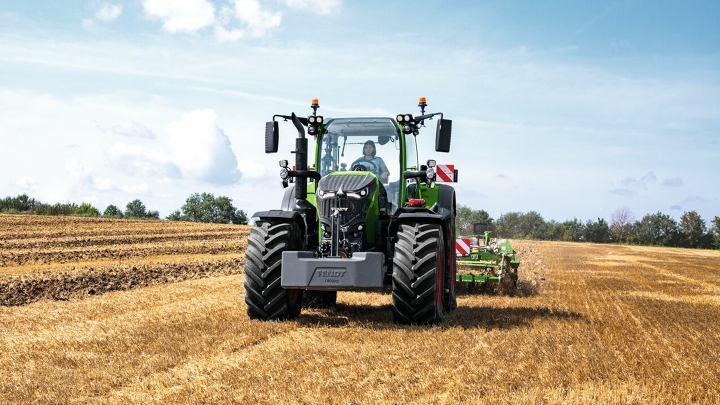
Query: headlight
point(311, 119)
point(320, 192)
point(319, 120)
point(399, 118)
point(358, 194)
point(407, 118)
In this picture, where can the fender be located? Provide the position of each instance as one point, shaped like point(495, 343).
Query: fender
point(304, 218)
point(288, 200)
point(281, 215)
point(446, 201)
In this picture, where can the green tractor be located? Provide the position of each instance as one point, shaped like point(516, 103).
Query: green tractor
point(364, 215)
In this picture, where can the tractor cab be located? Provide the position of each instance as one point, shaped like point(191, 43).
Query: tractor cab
point(369, 146)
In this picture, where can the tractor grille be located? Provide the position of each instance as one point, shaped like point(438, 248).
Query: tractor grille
point(357, 208)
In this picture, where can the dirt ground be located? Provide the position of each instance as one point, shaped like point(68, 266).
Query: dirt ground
point(591, 324)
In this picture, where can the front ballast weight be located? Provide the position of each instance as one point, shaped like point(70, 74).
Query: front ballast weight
point(344, 226)
point(483, 260)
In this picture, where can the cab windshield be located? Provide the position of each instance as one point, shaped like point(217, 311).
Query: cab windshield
point(367, 144)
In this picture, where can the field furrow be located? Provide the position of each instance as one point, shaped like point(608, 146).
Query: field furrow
point(591, 324)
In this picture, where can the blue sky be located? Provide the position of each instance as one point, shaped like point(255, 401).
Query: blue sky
point(567, 108)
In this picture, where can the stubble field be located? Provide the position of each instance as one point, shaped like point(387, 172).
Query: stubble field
point(117, 311)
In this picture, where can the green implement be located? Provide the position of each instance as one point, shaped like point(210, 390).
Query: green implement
point(488, 260)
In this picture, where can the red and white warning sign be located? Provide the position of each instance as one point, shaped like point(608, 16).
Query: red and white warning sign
point(462, 247)
point(445, 173)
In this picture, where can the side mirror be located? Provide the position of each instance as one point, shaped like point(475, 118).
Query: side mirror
point(442, 135)
point(272, 136)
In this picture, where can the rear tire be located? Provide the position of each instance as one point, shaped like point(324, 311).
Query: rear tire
point(418, 274)
point(265, 298)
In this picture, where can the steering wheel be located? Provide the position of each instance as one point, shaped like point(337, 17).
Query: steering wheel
point(364, 166)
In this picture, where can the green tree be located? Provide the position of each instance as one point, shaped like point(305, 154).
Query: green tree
point(715, 232)
point(555, 230)
point(657, 229)
point(87, 210)
point(597, 232)
point(568, 231)
point(208, 209)
point(533, 226)
point(466, 217)
point(508, 225)
point(57, 209)
point(573, 230)
point(112, 211)
point(136, 209)
point(692, 230)
point(21, 203)
point(175, 216)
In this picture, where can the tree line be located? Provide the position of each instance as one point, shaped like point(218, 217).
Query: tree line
point(653, 229)
point(199, 207)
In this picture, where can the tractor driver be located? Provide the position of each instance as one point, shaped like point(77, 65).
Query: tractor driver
point(371, 162)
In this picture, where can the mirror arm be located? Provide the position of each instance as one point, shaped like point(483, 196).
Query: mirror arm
point(421, 118)
point(303, 120)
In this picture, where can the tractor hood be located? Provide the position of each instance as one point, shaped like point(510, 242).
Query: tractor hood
point(347, 184)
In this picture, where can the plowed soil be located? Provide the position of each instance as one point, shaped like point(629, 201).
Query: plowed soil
point(591, 324)
point(64, 257)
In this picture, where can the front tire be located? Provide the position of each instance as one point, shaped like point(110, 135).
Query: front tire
point(265, 298)
point(418, 274)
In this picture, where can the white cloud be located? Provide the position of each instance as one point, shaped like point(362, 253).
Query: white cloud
point(181, 15)
point(104, 12)
point(108, 12)
point(253, 171)
point(26, 183)
point(88, 24)
point(202, 150)
point(643, 182)
point(225, 35)
point(136, 189)
point(137, 160)
point(85, 177)
point(78, 171)
point(132, 130)
point(624, 192)
point(318, 6)
point(101, 184)
point(673, 182)
point(256, 21)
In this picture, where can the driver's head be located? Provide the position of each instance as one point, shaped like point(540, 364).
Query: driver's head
point(369, 148)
